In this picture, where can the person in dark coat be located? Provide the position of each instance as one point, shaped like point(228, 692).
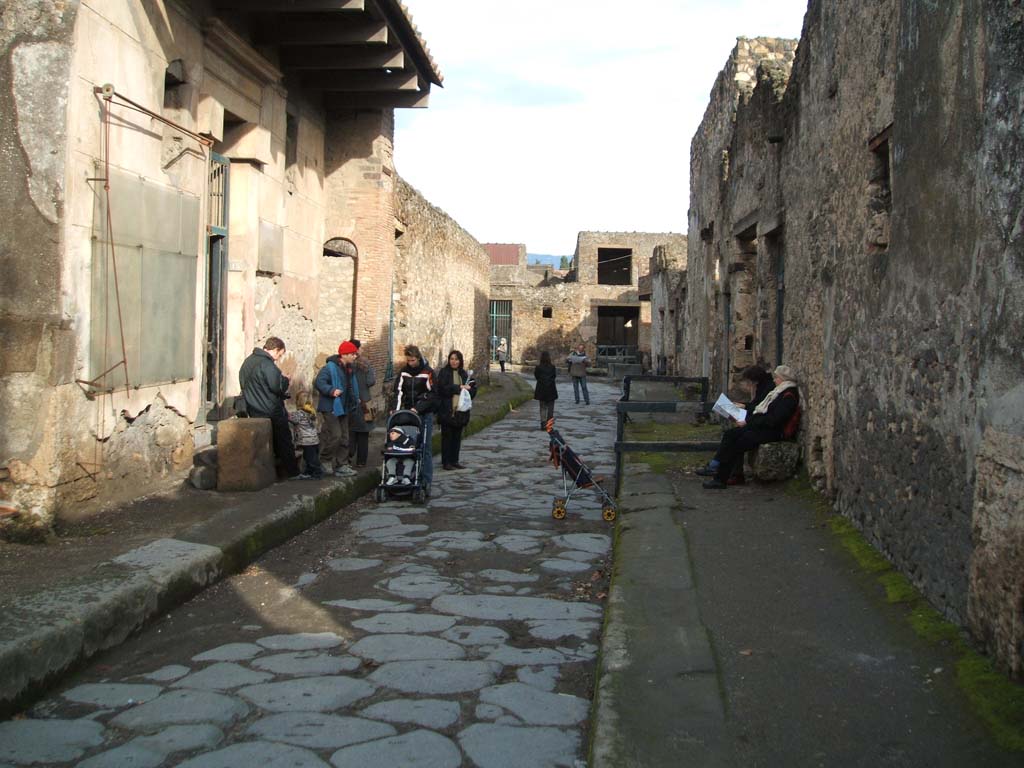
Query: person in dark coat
point(452, 380)
point(264, 389)
point(358, 423)
point(760, 383)
point(339, 395)
point(415, 391)
point(546, 391)
point(763, 425)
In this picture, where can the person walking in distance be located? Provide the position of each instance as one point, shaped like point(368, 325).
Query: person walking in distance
point(578, 363)
point(264, 389)
point(546, 391)
point(338, 395)
point(502, 353)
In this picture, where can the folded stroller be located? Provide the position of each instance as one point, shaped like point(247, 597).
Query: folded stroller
point(575, 475)
point(400, 470)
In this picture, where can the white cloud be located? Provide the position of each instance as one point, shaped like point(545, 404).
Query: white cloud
point(566, 115)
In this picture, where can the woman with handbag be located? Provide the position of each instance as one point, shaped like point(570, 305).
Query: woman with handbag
point(452, 382)
point(360, 423)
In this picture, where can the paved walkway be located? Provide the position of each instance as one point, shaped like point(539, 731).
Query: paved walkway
point(463, 632)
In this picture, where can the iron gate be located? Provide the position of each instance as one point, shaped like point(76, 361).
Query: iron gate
point(501, 326)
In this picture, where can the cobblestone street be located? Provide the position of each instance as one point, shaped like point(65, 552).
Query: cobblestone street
point(462, 632)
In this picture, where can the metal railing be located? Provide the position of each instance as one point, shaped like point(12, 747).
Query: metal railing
point(618, 353)
point(625, 406)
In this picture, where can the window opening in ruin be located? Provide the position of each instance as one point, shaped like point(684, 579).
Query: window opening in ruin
point(748, 342)
point(615, 266)
point(546, 312)
point(174, 78)
point(500, 316)
point(879, 193)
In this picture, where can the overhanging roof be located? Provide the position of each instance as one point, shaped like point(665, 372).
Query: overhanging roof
point(358, 53)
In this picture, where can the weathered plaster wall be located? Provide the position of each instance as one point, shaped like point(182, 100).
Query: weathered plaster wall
point(66, 450)
point(442, 277)
point(36, 42)
point(903, 297)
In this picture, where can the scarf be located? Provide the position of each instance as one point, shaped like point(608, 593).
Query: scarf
point(762, 407)
point(457, 381)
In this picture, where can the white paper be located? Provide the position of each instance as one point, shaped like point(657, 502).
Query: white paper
point(726, 407)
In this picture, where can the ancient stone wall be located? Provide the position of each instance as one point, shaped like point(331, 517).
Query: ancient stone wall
point(556, 316)
point(895, 268)
point(668, 275)
point(442, 285)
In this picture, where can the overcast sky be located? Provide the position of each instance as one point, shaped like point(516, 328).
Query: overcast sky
point(558, 116)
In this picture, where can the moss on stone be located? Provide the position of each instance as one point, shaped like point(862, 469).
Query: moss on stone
point(994, 698)
point(999, 702)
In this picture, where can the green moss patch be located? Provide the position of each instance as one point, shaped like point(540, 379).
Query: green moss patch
point(994, 698)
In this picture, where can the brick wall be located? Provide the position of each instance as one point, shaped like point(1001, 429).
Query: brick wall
point(442, 284)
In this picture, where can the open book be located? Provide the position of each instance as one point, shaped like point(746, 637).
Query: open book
point(726, 407)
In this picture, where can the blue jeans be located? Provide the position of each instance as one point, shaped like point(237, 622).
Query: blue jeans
point(577, 382)
point(311, 457)
point(427, 457)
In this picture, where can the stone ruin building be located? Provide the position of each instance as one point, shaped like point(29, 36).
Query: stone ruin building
point(252, 192)
point(857, 212)
point(597, 302)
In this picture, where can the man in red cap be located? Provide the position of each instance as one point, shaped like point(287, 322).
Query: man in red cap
point(339, 393)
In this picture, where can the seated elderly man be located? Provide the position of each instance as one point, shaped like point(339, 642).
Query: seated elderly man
point(764, 425)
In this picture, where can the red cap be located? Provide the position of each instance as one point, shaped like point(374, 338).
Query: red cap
point(347, 348)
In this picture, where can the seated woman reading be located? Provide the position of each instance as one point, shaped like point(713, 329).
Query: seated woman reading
point(764, 425)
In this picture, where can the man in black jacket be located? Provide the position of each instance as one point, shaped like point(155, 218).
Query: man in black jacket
point(264, 389)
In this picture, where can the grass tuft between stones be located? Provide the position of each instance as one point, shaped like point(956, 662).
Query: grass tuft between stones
point(994, 698)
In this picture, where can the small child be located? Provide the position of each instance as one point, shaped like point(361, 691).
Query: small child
point(306, 436)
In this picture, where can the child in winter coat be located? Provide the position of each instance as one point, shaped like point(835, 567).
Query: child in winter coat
point(303, 423)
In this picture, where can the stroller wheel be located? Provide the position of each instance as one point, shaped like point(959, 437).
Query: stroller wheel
point(608, 512)
point(558, 509)
point(418, 495)
point(380, 495)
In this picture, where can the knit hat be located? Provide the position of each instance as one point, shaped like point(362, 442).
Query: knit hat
point(347, 348)
point(785, 373)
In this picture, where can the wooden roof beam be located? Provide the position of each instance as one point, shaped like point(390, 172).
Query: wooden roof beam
point(301, 33)
point(400, 100)
point(361, 82)
point(351, 57)
point(292, 6)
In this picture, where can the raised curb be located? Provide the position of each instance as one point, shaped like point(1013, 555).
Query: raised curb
point(658, 701)
point(47, 634)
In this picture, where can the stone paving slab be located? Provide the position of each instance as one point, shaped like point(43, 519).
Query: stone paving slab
point(384, 646)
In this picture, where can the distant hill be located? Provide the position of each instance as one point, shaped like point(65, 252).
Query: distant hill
point(546, 259)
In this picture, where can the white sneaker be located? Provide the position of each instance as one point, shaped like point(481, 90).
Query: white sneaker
point(391, 480)
point(344, 471)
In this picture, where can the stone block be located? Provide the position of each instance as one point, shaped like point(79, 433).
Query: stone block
point(205, 457)
point(245, 455)
point(203, 477)
point(776, 461)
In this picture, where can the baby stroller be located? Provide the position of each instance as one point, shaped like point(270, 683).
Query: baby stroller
point(400, 470)
point(575, 475)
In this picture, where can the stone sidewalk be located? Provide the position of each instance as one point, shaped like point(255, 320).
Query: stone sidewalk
point(106, 576)
point(460, 632)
